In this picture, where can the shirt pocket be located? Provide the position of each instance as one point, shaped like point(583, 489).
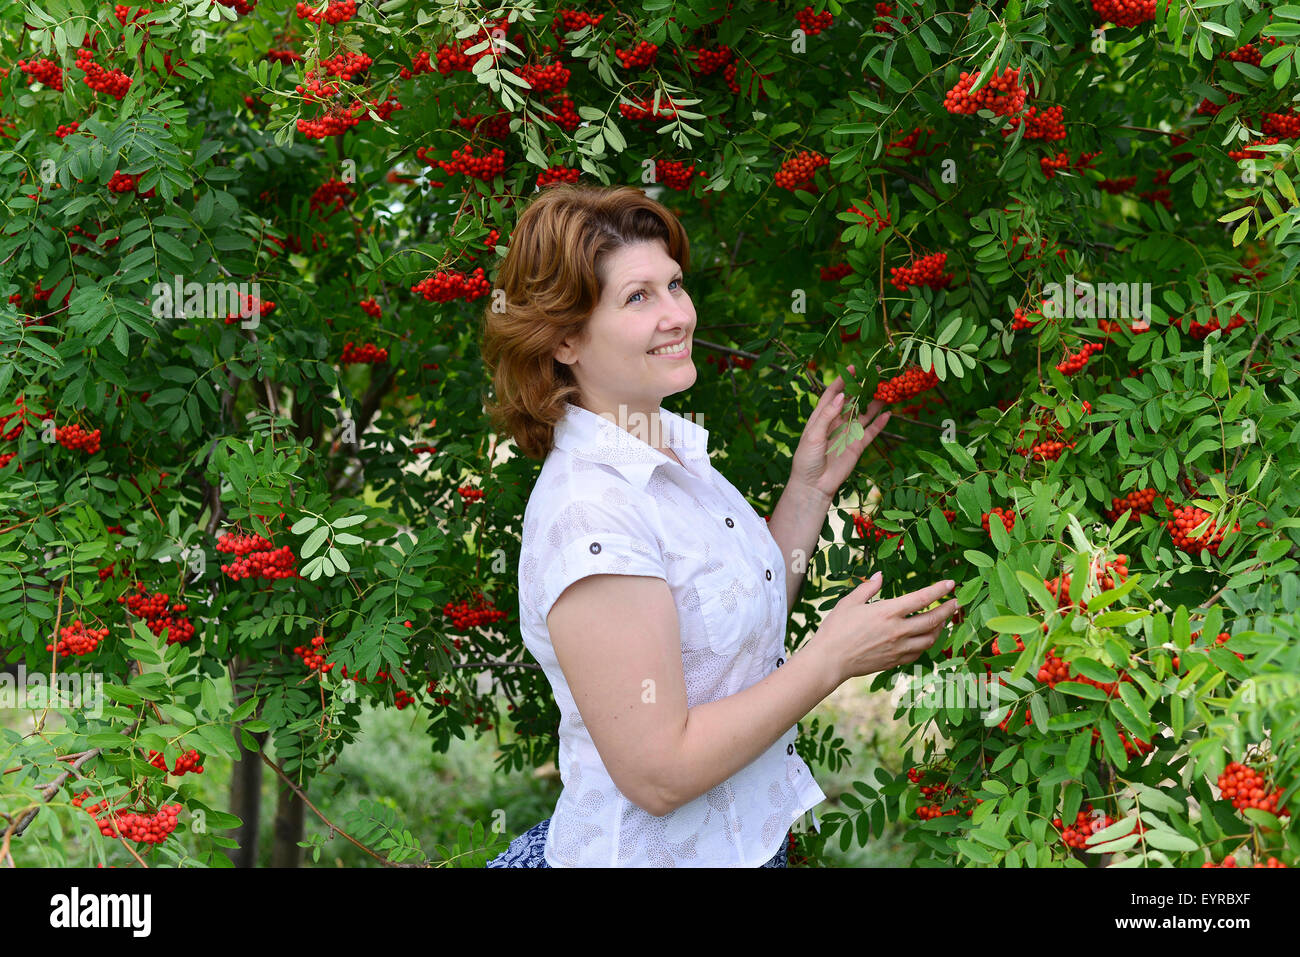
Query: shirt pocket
point(729, 598)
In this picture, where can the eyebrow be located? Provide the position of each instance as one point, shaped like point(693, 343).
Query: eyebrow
point(644, 282)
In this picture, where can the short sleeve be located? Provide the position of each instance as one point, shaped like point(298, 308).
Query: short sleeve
point(607, 532)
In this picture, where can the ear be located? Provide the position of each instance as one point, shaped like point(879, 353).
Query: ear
point(565, 353)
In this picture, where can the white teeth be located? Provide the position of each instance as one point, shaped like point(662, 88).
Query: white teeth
point(670, 350)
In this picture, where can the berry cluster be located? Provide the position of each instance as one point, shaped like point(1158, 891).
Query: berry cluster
point(725, 362)
point(451, 284)
point(347, 65)
point(873, 218)
point(1072, 364)
point(336, 12)
point(558, 174)
point(644, 109)
point(313, 657)
point(797, 171)
point(1055, 670)
point(1008, 518)
point(926, 271)
point(1232, 862)
point(908, 385)
point(1125, 13)
point(336, 121)
point(1199, 331)
point(251, 305)
point(189, 761)
point(241, 7)
point(158, 615)
point(1117, 186)
point(909, 143)
point(329, 197)
point(43, 71)
point(367, 352)
point(1049, 449)
point(1086, 823)
point(371, 308)
point(1246, 787)
point(497, 126)
point(937, 795)
point(566, 117)
point(709, 62)
point(1047, 125)
point(676, 175)
point(64, 130)
point(1139, 500)
point(1133, 749)
point(470, 494)
point(1003, 95)
point(1189, 517)
point(835, 274)
point(144, 828)
point(1285, 125)
point(814, 23)
point(21, 415)
point(866, 526)
point(402, 698)
point(1049, 164)
point(255, 557)
point(569, 21)
point(75, 437)
point(1220, 639)
point(884, 10)
point(729, 74)
point(544, 77)
point(464, 161)
point(113, 82)
point(463, 617)
point(639, 57)
point(121, 182)
point(77, 639)
point(1020, 318)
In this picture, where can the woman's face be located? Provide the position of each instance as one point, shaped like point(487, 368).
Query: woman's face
point(643, 306)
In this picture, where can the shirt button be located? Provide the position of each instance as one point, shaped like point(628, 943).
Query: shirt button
point(730, 523)
point(789, 749)
point(769, 574)
point(595, 548)
point(780, 662)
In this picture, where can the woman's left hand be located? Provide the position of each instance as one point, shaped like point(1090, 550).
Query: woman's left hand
point(813, 465)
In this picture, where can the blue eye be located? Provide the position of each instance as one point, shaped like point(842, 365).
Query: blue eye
point(640, 291)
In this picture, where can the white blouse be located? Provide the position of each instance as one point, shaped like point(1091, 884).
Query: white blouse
point(607, 502)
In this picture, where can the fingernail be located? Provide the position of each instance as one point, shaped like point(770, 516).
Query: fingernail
point(875, 577)
point(949, 584)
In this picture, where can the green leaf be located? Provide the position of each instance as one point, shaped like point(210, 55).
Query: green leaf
point(314, 541)
point(1013, 624)
point(1169, 840)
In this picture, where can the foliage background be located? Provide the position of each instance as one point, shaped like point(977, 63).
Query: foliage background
point(209, 427)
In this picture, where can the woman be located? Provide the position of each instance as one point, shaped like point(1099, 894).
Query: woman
point(651, 593)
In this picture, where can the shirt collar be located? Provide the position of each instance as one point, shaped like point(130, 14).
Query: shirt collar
point(595, 438)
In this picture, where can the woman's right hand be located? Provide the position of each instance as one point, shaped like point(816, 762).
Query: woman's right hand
point(860, 638)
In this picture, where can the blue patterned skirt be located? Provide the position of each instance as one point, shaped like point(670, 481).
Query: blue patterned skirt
point(529, 850)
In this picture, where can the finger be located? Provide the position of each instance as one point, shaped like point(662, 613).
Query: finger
point(866, 590)
point(923, 597)
point(931, 620)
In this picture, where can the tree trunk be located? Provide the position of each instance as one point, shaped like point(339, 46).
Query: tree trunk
point(285, 852)
point(245, 791)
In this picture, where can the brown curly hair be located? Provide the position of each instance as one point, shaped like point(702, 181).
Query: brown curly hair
point(547, 287)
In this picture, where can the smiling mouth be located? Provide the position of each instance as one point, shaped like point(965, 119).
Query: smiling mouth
point(681, 348)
